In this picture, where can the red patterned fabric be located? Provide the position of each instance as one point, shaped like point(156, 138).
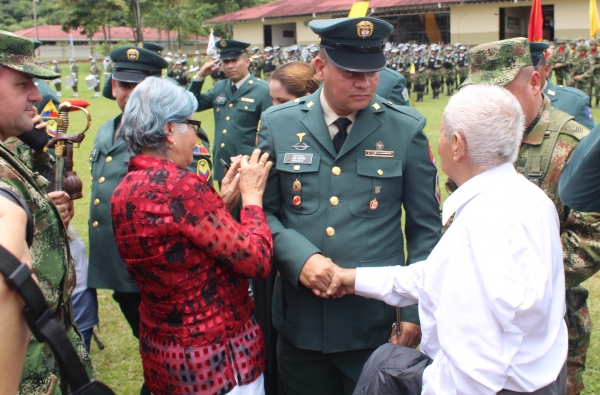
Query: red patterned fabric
point(190, 260)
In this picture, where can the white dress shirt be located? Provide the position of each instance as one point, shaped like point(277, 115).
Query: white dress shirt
point(492, 292)
point(330, 116)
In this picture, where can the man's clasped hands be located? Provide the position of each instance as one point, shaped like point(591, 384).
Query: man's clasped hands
point(328, 280)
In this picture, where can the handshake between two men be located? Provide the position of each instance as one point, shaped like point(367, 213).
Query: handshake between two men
point(328, 280)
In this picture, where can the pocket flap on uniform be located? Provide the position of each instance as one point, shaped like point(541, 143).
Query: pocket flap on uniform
point(379, 167)
point(246, 105)
point(293, 162)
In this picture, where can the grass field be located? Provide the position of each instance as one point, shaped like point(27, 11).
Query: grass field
point(118, 365)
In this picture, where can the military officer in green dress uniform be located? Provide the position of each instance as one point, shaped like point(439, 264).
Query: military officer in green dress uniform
point(237, 102)
point(50, 253)
point(567, 99)
point(346, 163)
point(109, 159)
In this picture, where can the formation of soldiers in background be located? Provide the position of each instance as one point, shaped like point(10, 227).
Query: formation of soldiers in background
point(435, 68)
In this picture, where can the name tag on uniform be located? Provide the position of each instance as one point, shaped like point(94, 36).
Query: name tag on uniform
point(305, 159)
point(247, 99)
point(379, 154)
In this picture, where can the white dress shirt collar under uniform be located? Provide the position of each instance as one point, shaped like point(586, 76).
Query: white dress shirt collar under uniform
point(492, 292)
point(331, 116)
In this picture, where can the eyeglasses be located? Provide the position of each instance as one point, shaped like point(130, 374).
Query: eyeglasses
point(195, 125)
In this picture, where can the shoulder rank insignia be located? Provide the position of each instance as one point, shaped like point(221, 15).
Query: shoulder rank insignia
point(203, 169)
point(551, 92)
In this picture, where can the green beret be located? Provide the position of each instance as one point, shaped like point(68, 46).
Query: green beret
point(16, 52)
point(499, 62)
point(134, 64)
point(231, 49)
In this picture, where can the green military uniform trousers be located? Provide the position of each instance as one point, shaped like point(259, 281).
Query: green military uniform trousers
point(346, 206)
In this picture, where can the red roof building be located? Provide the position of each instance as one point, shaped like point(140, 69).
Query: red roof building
point(53, 33)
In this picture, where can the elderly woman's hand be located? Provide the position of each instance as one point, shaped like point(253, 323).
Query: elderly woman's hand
point(254, 171)
point(230, 192)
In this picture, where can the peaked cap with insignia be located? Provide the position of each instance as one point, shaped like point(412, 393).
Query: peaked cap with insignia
point(538, 52)
point(353, 44)
point(151, 47)
point(16, 52)
point(499, 62)
point(134, 64)
point(231, 49)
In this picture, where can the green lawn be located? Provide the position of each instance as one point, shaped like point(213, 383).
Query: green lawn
point(118, 365)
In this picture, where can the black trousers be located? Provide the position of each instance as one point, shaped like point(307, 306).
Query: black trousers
point(129, 302)
point(308, 372)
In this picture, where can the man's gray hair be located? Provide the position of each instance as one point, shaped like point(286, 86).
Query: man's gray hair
point(151, 106)
point(490, 120)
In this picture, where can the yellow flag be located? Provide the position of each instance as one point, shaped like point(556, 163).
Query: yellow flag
point(412, 68)
point(359, 9)
point(594, 22)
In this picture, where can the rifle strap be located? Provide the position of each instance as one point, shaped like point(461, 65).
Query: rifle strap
point(45, 328)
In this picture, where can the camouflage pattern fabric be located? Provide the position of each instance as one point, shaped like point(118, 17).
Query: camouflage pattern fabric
point(595, 80)
point(560, 63)
point(499, 62)
point(95, 71)
point(256, 65)
point(53, 266)
point(74, 69)
point(36, 161)
point(16, 52)
point(583, 67)
point(580, 235)
point(57, 85)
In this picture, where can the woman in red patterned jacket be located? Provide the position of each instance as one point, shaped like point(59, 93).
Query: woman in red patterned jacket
point(188, 256)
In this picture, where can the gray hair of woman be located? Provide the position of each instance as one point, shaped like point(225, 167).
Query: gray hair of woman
point(153, 104)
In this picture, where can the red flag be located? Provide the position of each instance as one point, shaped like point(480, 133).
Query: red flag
point(536, 22)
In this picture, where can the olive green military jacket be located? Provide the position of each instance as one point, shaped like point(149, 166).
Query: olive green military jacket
point(392, 86)
point(572, 101)
point(347, 207)
point(109, 166)
point(236, 116)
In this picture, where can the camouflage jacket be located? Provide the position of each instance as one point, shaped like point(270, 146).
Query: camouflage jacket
point(37, 161)
point(51, 259)
point(583, 67)
point(580, 232)
point(95, 71)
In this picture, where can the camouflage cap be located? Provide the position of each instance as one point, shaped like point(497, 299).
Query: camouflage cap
point(16, 52)
point(499, 62)
point(583, 47)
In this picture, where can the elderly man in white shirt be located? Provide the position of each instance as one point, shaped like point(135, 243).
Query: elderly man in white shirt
point(491, 293)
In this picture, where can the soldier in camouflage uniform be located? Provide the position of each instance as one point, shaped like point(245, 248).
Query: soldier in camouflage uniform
point(594, 54)
point(462, 65)
point(74, 69)
point(51, 257)
point(449, 70)
point(559, 62)
point(95, 71)
point(434, 69)
point(57, 81)
point(547, 145)
point(256, 63)
point(582, 71)
point(419, 78)
point(270, 64)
